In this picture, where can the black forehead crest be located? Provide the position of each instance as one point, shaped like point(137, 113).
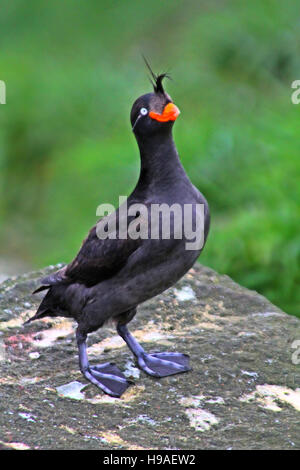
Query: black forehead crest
point(156, 80)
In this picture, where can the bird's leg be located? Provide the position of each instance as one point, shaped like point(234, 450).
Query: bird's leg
point(106, 376)
point(156, 364)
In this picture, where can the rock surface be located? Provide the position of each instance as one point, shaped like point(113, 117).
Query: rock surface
point(243, 392)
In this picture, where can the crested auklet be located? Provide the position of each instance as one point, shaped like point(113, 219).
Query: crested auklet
point(111, 276)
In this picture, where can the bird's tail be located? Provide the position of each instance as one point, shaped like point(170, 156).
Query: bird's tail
point(44, 309)
point(48, 306)
point(39, 314)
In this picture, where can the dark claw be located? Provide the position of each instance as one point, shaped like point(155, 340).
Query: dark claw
point(109, 378)
point(164, 364)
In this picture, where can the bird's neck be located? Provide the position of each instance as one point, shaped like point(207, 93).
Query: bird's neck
point(160, 161)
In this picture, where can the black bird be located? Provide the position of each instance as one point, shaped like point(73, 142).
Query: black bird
point(110, 277)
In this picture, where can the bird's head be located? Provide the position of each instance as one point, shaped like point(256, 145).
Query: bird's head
point(154, 112)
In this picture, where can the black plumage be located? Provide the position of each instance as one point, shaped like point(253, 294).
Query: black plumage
point(109, 278)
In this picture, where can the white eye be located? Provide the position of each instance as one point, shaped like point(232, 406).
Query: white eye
point(143, 111)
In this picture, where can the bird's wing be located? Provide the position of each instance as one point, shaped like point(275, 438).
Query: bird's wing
point(97, 260)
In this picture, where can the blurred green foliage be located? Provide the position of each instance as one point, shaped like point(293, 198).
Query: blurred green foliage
point(72, 71)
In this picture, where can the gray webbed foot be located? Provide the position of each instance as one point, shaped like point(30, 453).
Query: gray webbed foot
point(164, 363)
point(158, 364)
point(107, 377)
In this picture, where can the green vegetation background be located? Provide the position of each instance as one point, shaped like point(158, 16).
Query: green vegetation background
point(73, 70)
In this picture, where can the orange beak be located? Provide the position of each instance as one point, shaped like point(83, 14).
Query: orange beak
point(170, 113)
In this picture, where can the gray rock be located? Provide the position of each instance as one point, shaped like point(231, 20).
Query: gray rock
point(243, 392)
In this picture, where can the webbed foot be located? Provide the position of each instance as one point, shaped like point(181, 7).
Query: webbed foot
point(108, 377)
point(164, 363)
point(158, 364)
